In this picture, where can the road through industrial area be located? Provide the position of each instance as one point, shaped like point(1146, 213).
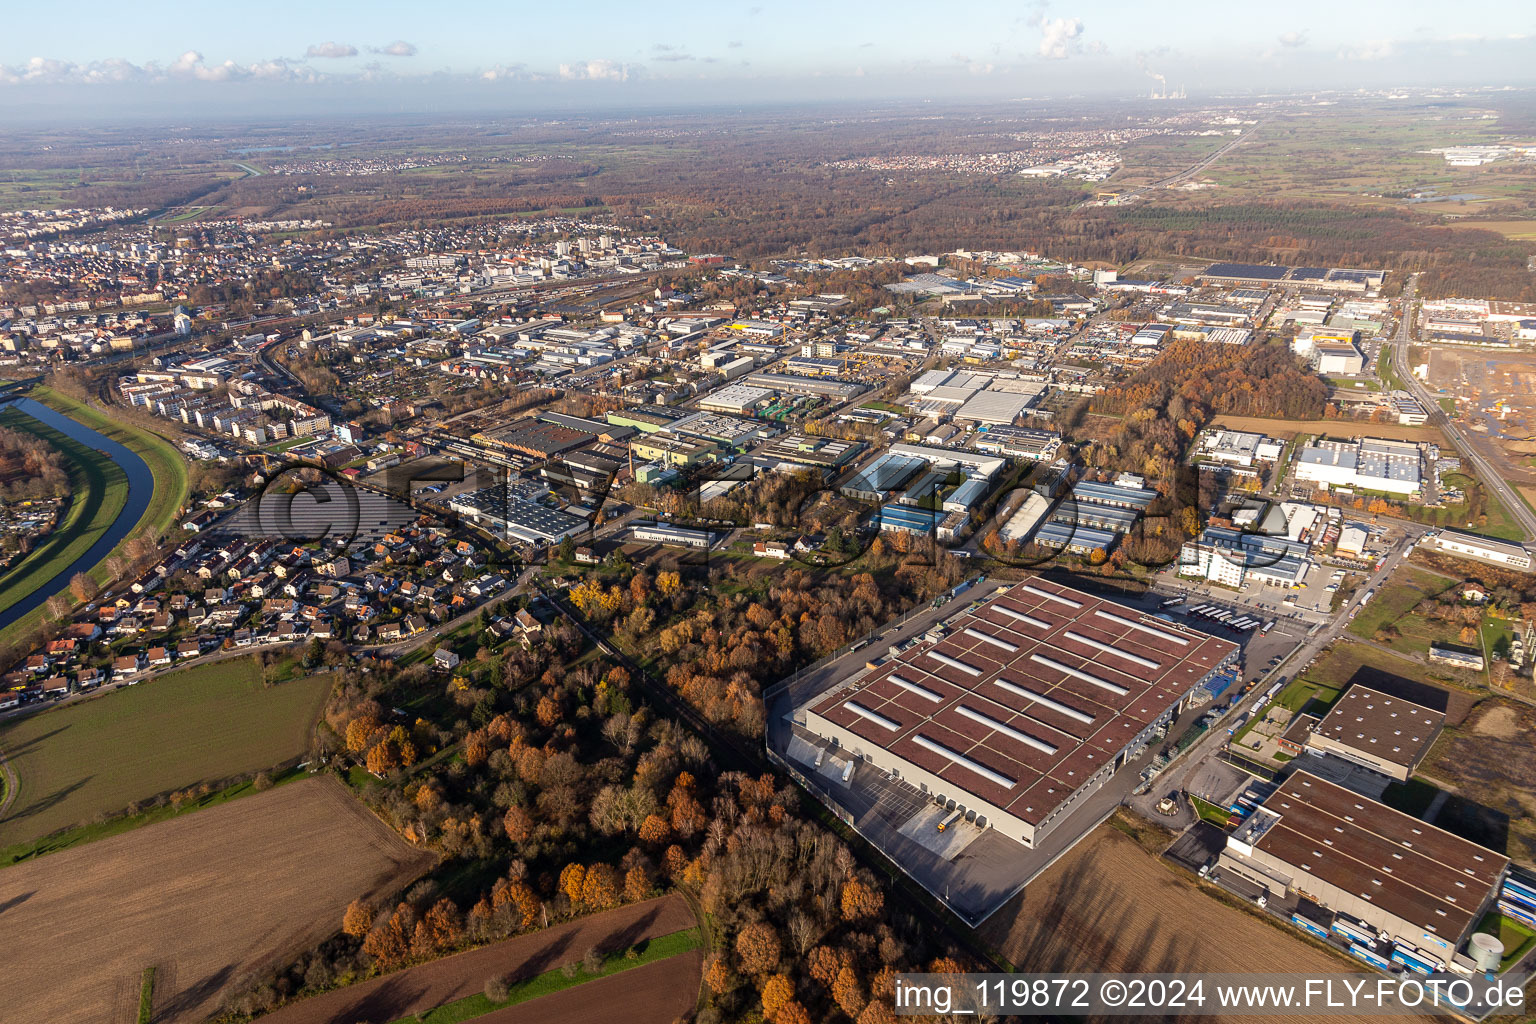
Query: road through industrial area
point(1487, 474)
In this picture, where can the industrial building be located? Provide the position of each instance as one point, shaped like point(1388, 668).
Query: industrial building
point(1370, 464)
point(1385, 734)
point(1022, 442)
point(1232, 558)
point(676, 536)
point(791, 384)
point(741, 399)
point(1321, 278)
point(1401, 878)
point(798, 452)
point(1338, 358)
point(1074, 538)
point(498, 509)
point(1240, 448)
point(1024, 706)
point(671, 450)
point(900, 464)
point(646, 420)
point(1480, 548)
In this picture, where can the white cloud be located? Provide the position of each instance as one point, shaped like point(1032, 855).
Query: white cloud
point(189, 66)
point(1371, 49)
point(598, 71)
point(1293, 39)
point(398, 48)
point(331, 50)
point(1060, 37)
point(506, 73)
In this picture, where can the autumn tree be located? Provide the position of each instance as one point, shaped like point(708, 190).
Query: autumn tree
point(600, 887)
point(848, 991)
point(668, 583)
point(83, 587)
point(572, 878)
point(777, 991)
point(359, 731)
point(860, 900)
point(517, 823)
point(636, 885)
point(389, 942)
point(824, 963)
point(792, 1013)
point(382, 758)
point(358, 919)
point(757, 948)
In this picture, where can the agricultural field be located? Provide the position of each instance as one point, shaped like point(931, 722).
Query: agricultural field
point(658, 993)
point(1369, 160)
point(428, 986)
point(1286, 429)
point(95, 757)
point(204, 899)
point(1110, 905)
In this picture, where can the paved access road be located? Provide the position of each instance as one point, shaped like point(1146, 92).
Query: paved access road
point(1486, 472)
point(1177, 775)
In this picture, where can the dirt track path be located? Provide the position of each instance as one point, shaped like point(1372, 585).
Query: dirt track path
point(442, 981)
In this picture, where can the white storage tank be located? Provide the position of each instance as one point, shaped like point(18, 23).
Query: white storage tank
point(1487, 951)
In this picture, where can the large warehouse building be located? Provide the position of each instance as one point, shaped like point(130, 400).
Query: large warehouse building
point(1024, 706)
point(1385, 734)
point(1410, 882)
point(1370, 463)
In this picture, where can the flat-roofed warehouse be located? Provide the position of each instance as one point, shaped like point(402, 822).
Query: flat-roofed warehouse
point(1386, 734)
point(1418, 884)
point(1028, 703)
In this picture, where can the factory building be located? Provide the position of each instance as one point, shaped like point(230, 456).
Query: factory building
point(1240, 448)
point(799, 452)
point(1232, 558)
point(740, 399)
point(1369, 464)
point(1385, 734)
point(1480, 548)
point(1024, 706)
point(676, 536)
point(498, 509)
point(1401, 878)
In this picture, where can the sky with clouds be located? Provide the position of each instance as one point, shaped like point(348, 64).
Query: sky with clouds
point(359, 55)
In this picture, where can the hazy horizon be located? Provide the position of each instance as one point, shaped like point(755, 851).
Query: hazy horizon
point(348, 58)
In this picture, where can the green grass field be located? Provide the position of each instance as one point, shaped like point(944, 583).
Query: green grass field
point(1516, 936)
point(99, 488)
point(1393, 605)
point(98, 756)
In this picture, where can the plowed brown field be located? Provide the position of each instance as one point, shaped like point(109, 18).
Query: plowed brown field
point(452, 978)
point(1111, 906)
point(657, 993)
point(205, 898)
